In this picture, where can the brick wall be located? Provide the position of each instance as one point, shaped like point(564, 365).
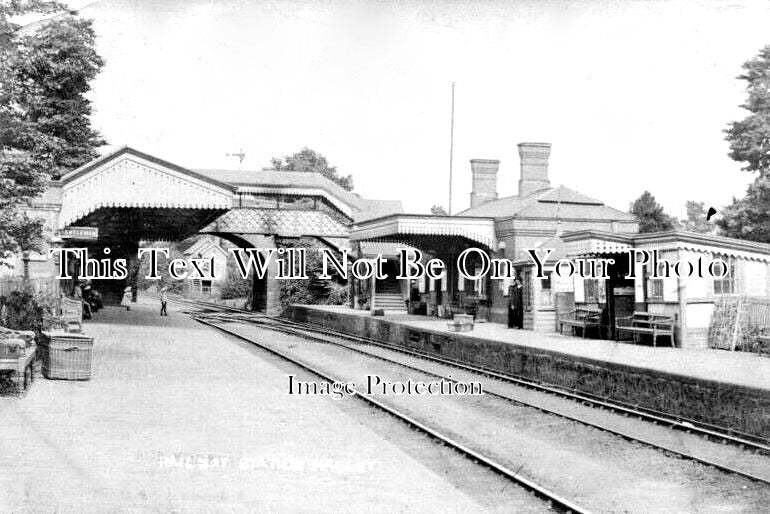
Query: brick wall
point(741, 408)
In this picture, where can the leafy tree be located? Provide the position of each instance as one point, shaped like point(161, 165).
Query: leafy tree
point(235, 285)
point(696, 218)
point(45, 72)
point(438, 210)
point(650, 214)
point(750, 138)
point(309, 161)
point(166, 280)
point(314, 290)
point(749, 217)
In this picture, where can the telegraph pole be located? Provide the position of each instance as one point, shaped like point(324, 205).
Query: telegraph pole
point(451, 148)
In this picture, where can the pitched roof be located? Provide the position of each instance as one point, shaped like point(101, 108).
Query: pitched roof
point(502, 207)
point(377, 209)
point(560, 202)
point(279, 222)
point(556, 244)
point(362, 208)
point(67, 177)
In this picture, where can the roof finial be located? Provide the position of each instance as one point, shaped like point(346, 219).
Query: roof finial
point(241, 156)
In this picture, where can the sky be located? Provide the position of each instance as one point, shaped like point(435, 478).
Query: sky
point(633, 96)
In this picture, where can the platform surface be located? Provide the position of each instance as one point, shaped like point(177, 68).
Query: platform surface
point(178, 418)
point(738, 368)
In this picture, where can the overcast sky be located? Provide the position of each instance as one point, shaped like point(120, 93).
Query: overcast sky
point(632, 95)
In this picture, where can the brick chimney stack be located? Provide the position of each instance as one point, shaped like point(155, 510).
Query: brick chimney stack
point(534, 167)
point(484, 181)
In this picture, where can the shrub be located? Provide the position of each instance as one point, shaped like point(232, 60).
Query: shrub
point(235, 286)
point(26, 311)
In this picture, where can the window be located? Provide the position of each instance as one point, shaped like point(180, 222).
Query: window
point(655, 288)
point(479, 285)
point(591, 286)
point(726, 284)
point(526, 282)
point(545, 291)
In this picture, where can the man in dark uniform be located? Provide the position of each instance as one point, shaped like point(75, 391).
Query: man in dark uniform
point(516, 304)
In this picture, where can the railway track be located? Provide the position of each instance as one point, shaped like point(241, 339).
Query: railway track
point(551, 499)
point(322, 335)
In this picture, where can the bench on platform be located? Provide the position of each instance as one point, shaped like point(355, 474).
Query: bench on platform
point(583, 317)
point(17, 354)
point(645, 323)
point(461, 323)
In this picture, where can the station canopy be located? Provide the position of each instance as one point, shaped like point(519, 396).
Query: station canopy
point(436, 234)
point(129, 195)
point(241, 225)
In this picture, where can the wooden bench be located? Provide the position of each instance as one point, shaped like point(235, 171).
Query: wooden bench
point(584, 318)
point(655, 325)
point(461, 323)
point(17, 354)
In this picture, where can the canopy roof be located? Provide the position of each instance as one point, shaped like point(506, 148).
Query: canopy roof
point(404, 227)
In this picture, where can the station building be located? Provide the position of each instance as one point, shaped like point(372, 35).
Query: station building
point(127, 199)
point(501, 227)
point(571, 225)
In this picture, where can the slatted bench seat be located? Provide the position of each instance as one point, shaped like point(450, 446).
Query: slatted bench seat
point(461, 323)
point(584, 318)
point(645, 323)
point(17, 355)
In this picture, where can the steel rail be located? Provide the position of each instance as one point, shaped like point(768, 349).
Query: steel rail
point(624, 435)
point(745, 441)
point(552, 499)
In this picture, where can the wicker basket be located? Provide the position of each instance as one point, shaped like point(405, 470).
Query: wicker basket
point(66, 356)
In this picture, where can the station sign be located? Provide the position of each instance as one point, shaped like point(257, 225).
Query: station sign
point(81, 233)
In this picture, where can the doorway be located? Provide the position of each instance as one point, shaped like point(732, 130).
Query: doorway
point(620, 292)
point(516, 306)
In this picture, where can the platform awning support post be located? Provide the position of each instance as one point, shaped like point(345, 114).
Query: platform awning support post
point(682, 292)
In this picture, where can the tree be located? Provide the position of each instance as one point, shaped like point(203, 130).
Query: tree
point(696, 218)
point(650, 214)
point(438, 210)
point(750, 138)
point(45, 131)
point(166, 280)
point(309, 161)
point(749, 217)
point(314, 290)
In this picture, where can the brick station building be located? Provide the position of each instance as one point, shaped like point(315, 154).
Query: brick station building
point(573, 225)
point(129, 197)
point(502, 227)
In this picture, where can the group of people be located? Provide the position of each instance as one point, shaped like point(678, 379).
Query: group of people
point(92, 299)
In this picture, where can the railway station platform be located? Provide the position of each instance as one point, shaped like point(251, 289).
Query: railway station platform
point(179, 418)
point(727, 389)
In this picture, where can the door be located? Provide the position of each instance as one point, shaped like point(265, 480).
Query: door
point(620, 292)
point(516, 306)
point(259, 294)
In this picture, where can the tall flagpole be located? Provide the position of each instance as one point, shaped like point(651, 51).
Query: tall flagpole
point(451, 148)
